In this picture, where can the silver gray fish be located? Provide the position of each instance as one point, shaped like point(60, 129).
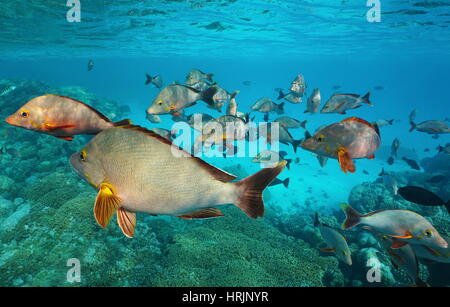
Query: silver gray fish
point(290, 123)
point(437, 254)
point(198, 121)
point(284, 136)
point(335, 241)
point(390, 182)
point(431, 127)
point(444, 149)
point(136, 170)
point(220, 97)
point(175, 97)
point(266, 105)
point(195, 76)
point(340, 103)
point(384, 122)
point(313, 103)
point(156, 81)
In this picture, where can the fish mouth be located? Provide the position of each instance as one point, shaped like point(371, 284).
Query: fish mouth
point(9, 121)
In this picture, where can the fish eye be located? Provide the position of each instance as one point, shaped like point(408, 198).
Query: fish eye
point(428, 233)
point(24, 114)
point(160, 102)
point(83, 155)
point(320, 138)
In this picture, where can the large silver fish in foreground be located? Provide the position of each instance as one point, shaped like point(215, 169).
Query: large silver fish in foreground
point(136, 170)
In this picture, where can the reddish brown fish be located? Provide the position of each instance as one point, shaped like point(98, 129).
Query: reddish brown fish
point(61, 117)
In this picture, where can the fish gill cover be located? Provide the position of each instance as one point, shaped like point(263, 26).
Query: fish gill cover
point(245, 51)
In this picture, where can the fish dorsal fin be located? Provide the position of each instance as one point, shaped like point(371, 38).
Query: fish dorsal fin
point(106, 204)
point(101, 115)
point(215, 172)
point(127, 221)
point(203, 214)
point(362, 121)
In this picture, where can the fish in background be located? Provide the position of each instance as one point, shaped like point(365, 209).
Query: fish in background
point(284, 136)
point(422, 197)
point(155, 81)
point(290, 123)
point(247, 83)
point(220, 97)
point(153, 118)
point(352, 138)
point(335, 241)
point(266, 105)
point(426, 150)
point(61, 117)
point(384, 122)
point(136, 170)
point(196, 76)
point(390, 160)
point(434, 127)
point(313, 103)
point(277, 181)
point(296, 91)
point(402, 226)
point(175, 97)
point(90, 65)
point(395, 147)
point(7, 90)
point(379, 87)
point(341, 103)
point(199, 120)
point(403, 258)
point(366, 172)
point(444, 149)
point(435, 254)
point(322, 160)
point(270, 157)
point(436, 179)
point(336, 87)
point(413, 164)
point(390, 182)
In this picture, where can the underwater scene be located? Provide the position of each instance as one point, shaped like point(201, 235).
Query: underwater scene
point(224, 143)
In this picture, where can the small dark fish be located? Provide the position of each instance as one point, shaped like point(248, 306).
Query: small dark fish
point(436, 179)
point(90, 65)
point(444, 149)
point(413, 164)
point(247, 83)
point(427, 150)
point(365, 172)
point(336, 87)
point(277, 181)
point(390, 161)
point(379, 87)
point(422, 197)
point(156, 80)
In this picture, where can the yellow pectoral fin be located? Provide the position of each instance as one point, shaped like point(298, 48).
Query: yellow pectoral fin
point(106, 204)
point(345, 160)
point(402, 237)
point(127, 221)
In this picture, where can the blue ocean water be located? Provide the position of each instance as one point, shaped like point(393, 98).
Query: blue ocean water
point(402, 60)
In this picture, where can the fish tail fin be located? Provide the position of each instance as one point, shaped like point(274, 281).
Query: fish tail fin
point(208, 94)
point(391, 122)
point(303, 124)
point(125, 122)
point(353, 218)
point(250, 200)
point(316, 219)
point(266, 117)
point(149, 79)
point(281, 95)
point(209, 77)
point(440, 149)
point(288, 163)
point(234, 94)
point(295, 144)
point(382, 172)
point(413, 126)
point(366, 99)
point(286, 183)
